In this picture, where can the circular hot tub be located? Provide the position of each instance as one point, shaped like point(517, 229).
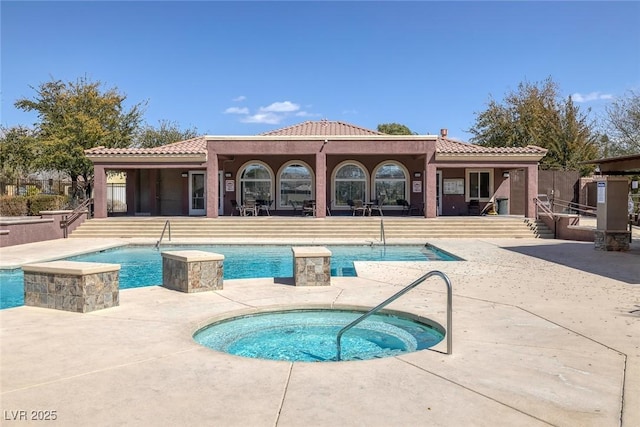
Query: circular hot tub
point(310, 335)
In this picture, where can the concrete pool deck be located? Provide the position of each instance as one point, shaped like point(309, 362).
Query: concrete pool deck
point(545, 332)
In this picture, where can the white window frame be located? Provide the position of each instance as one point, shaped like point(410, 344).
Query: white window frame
point(468, 173)
point(239, 186)
point(279, 205)
point(366, 179)
point(407, 183)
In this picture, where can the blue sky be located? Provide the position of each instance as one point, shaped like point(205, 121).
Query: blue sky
point(242, 68)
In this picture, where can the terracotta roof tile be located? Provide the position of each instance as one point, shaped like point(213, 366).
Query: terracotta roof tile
point(449, 146)
point(322, 128)
point(190, 146)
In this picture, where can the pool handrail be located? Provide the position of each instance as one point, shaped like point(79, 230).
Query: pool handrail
point(395, 297)
point(166, 224)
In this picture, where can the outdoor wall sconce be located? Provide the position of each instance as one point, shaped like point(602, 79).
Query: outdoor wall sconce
point(505, 174)
point(417, 174)
point(227, 174)
point(185, 174)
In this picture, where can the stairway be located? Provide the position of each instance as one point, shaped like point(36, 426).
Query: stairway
point(345, 227)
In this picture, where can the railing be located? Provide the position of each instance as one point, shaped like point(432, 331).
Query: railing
point(383, 238)
point(395, 297)
point(573, 207)
point(167, 224)
point(543, 206)
point(80, 210)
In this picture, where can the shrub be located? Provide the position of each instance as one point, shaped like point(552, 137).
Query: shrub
point(14, 206)
point(46, 202)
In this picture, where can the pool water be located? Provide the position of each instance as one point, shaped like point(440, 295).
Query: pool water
point(310, 336)
point(142, 265)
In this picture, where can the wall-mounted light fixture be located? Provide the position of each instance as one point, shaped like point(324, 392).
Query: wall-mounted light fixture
point(227, 174)
point(417, 174)
point(185, 174)
point(505, 174)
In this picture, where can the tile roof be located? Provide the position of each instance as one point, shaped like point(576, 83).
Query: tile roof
point(322, 128)
point(196, 145)
point(449, 146)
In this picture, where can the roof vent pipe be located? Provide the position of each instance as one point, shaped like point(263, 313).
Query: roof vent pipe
point(443, 133)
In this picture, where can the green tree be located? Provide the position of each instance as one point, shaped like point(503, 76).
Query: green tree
point(394, 129)
point(623, 125)
point(535, 114)
point(166, 133)
point(76, 116)
point(18, 152)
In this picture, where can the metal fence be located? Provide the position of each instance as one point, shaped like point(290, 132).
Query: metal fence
point(29, 187)
point(116, 198)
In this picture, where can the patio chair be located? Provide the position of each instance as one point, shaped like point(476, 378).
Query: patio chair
point(264, 206)
point(377, 206)
point(407, 208)
point(359, 208)
point(250, 208)
point(309, 208)
point(237, 207)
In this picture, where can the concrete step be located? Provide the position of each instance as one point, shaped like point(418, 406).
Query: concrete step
point(336, 227)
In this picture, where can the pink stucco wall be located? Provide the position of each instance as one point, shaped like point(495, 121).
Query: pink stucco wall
point(36, 229)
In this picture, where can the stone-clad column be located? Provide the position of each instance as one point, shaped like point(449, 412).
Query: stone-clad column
point(192, 271)
point(311, 266)
point(80, 287)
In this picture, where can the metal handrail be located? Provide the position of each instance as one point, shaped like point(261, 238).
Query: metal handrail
point(382, 235)
point(166, 224)
point(395, 297)
point(579, 208)
point(74, 215)
point(543, 207)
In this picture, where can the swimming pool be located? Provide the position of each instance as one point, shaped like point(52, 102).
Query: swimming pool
point(142, 265)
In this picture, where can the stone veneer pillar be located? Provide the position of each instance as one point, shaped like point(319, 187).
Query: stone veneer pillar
point(75, 286)
point(192, 271)
point(311, 266)
point(608, 240)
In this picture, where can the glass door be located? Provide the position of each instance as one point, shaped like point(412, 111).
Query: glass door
point(197, 193)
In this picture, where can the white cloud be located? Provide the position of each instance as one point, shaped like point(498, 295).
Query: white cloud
point(281, 107)
point(591, 96)
point(267, 118)
point(236, 110)
point(239, 98)
point(306, 114)
point(349, 111)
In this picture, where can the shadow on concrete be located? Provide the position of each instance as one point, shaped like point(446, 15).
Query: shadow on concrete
point(621, 266)
point(284, 281)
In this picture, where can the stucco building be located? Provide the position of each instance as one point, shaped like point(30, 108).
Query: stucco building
point(330, 162)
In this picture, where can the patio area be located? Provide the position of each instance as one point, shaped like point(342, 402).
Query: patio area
point(545, 332)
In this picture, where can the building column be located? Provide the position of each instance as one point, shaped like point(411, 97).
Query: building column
point(531, 191)
point(321, 185)
point(99, 192)
point(212, 185)
point(430, 182)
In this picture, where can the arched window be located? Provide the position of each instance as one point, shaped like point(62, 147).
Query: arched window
point(349, 183)
point(255, 182)
point(296, 184)
point(390, 183)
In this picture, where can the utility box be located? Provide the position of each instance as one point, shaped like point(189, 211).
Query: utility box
point(612, 233)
